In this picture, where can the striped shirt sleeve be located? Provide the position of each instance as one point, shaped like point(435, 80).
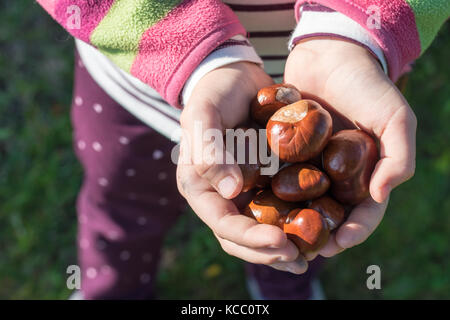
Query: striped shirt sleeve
point(159, 42)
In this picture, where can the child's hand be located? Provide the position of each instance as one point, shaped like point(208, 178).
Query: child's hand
point(221, 100)
point(349, 79)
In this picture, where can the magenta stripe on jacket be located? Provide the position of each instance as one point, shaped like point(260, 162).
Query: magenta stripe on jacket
point(66, 12)
point(170, 50)
point(261, 7)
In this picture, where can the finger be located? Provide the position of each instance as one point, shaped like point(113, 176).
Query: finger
point(397, 154)
point(222, 216)
point(362, 221)
point(299, 266)
point(331, 248)
point(203, 126)
point(288, 253)
point(310, 256)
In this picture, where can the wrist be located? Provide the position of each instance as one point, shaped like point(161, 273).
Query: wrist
point(233, 50)
point(325, 50)
point(252, 75)
point(316, 20)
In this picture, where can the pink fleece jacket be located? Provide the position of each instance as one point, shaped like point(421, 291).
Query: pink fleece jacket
point(161, 42)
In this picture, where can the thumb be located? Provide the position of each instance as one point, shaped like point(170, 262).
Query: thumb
point(203, 130)
point(397, 151)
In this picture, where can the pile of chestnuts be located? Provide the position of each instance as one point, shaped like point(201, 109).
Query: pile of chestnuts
point(323, 174)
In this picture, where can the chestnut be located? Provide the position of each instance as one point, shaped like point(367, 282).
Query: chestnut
point(307, 229)
point(251, 174)
point(299, 131)
point(300, 182)
point(250, 170)
point(331, 210)
point(270, 99)
point(349, 159)
point(267, 208)
point(316, 161)
point(263, 181)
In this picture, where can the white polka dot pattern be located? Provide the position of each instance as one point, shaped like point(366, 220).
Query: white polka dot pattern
point(157, 154)
point(142, 221)
point(124, 140)
point(91, 273)
point(78, 101)
point(103, 182)
point(163, 201)
point(81, 145)
point(162, 176)
point(145, 278)
point(98, 108)
point(97, 146)
point(125, 255)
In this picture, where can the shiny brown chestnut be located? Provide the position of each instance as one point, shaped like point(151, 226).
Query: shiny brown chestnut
point(270, 99)
point(349, 159)
point(267, 208)
point(263, 181)
point(307, 229)
point(251, 174)
point(331, 210)
point(300, 182)
point(316, 161)
point(246, 161)
point(299, 131)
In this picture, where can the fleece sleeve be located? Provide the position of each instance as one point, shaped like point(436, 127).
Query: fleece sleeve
point(159, 42)
point(233, 50)
point(402, 29)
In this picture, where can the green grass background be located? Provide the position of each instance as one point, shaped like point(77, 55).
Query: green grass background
point(39, 179)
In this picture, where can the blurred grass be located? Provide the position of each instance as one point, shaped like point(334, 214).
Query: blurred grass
point(40, 177)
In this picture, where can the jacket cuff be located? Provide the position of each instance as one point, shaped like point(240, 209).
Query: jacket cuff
point(390, 23)
point(316, 20)
point(233, 50)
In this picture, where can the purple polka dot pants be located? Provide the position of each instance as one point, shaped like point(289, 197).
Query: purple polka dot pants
point(129, 200)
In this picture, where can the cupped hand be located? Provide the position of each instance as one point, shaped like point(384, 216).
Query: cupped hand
point(351, 84)
point(221, 101)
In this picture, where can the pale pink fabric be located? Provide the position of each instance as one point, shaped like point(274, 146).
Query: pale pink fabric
point(398, 35)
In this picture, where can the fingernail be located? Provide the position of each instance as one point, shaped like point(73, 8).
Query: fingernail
point(227, 186)
point(301, 262)
point(298, 266)
point(291, 253)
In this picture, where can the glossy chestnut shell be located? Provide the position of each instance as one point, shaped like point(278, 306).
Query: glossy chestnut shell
point(263, 181)
point(267, 208)
point(331, 210)
point(349, 159)
point(270, 99)
point(300, 182)
point(251, 174)
point(299, 131)
point(307, 229)
point(250, 166)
